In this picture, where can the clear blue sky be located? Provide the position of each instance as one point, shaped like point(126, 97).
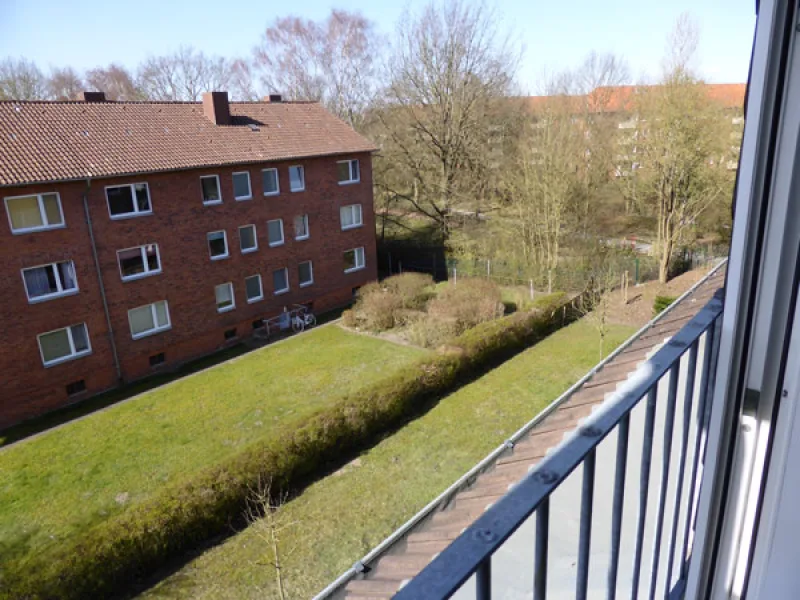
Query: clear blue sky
point(556, 34)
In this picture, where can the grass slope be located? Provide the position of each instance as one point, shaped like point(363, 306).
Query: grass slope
point(73, 477)
point(338, 519)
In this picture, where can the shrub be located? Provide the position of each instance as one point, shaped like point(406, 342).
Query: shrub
point(661, 303)
point(465, 305)
point(414, 289)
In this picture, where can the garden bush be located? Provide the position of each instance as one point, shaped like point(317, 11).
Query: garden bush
point(413, 289)
point(391, 302)
point(661, 303)
point(465, 305)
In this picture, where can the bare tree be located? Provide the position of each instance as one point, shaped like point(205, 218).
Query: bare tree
point(21, 79)
point(64, 84)
point(184, 75)
point(334, 62)
point(115, 81)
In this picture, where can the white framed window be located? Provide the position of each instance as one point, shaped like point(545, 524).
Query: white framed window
point(149, 319)
point(253, 288)
point(46, 282)
point(269, 177)
point(347, 171)
point(301, 227)
point(36, 212)
point(354, 260)
point(241, 186)
point(224, 296)
point(297, 179)
point(280, 281)
point(130, 200)
point(138, 262)
point(248, 242)
point(210, 190)
point(275, 232)
point(350, 216)
point(305, 272)
point(64, 344)
point(217, 245)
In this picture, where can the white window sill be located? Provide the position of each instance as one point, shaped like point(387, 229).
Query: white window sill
point(354, 269)
point(131, 215)
point(307, 283)
point(250, 250)
point(254, 300)
point(302, 189)
point(150, 332)
point(35, 229)
point(349, 227)
point(40, 299)
point(279, 292)
point(278, 193)
point(212, 202)
point(276, 244)
point(350, 182)
point(141, 275)
point(301, 238)
point(226, 309)
point(243, 198)
point(221, 257)
point(60, 361)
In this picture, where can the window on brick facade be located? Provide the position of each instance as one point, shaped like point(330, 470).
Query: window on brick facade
point(301, 227)
point(305, 272)
point(241, 186)
point(157, 359)
point(275, 232)
point(353, 260)
point(347, 171)
point(34, 213)
point(149, 319)
point(297, 179)
point(64, 344)
point(209, 184)
point(128, 200)
point(280, 281)
point(217, 245)
point(247, 239)
point(224, 296)
point(50, 281)
point(76, 387)
point(269, 178)
point(253, 289)
point(350, 216)
point(138, 262)
point(230, 334)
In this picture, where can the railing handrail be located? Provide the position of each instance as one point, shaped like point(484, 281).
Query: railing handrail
point(463, 557)
point(490, 458)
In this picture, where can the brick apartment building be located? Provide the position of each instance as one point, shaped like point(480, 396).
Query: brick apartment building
point(139, 235)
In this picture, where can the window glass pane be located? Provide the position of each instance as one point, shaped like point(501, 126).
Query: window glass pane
point(296, 181)
point(216, 243)
point(280, 280)
point(40, 281)
point(120, 200)
point(241, 185)
point(142, 196)
point(162, 316)
point(275, 231)
point(253, 287)
point(130, 262)
point(224, 295)
point(270, 177)
point(304, 270)
point(359, 257)
point(79, 338)
point(151, 252)
point(349, 259)
point(55, 345)
point(141, 319)
point(24, 212)
point(343, 171)
point(346, 216)
point(356, 214)
point(51, 209)
point(354, 170)
point(210, 189)
point(247, 237)
point(66, 272)
point(301, 226)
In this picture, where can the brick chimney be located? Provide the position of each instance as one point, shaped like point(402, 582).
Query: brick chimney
point(92, 96)
point(216, 107)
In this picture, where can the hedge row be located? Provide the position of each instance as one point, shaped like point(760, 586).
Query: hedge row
point(110, 556)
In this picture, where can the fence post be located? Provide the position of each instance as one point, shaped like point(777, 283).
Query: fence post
point(455, 276)
point(399, 266)
point(488, 268)
point(531, 282)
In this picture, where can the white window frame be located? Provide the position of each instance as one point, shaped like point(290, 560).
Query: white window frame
point(311, 270)
point(255, 239)
point(349, 162)
point(61, 291)
point(308, 230)
point(277, 182)
point(147, 271)
point(42, 212)
point(249, 186)
point(351, 208)
point(157, 328)
point(233, 298)
point(74, 355)
point(288, 287)
point(260, 287)
point(227, 248)
point(219, 189)
point(136, 212)
point(283, 234)
point(302, 177)
point(357, 267)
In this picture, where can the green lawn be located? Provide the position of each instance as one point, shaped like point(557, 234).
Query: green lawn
point(67, 479)
point(338, 519)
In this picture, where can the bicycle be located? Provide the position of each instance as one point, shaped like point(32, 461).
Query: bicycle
point(302, 318)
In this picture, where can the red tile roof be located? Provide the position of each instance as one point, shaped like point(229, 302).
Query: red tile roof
point(56, 141)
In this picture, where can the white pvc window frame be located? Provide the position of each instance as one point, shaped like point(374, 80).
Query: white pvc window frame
point(74, 354)
point(57, 277)
point(355, 213)
point(286, 276)
point(301, 170)
point(359, 260)
point(310, 272)
point(255, 239)
point(280, 242)
point(43, 213)
point(277, 189)
point(305, 225)
point(148, 272)
point(260, 289)
point(137, 211)
point(352, 178)
point(249, 195)
point(203, 192)
point(232, 305)
point(224, 239)
point(156, 327)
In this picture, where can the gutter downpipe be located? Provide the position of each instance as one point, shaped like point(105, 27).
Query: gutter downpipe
point(100, 279)
point(446, 496)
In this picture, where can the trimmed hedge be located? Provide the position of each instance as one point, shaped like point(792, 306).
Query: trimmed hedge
point(110, 556)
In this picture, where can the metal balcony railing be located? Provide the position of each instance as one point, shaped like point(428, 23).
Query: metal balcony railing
point(610, 553)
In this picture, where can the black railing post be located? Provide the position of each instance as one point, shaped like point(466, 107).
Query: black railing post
point(540, 559)
point(483, 580)
point(618, 503)
point(585, 541)
point(644, 487)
